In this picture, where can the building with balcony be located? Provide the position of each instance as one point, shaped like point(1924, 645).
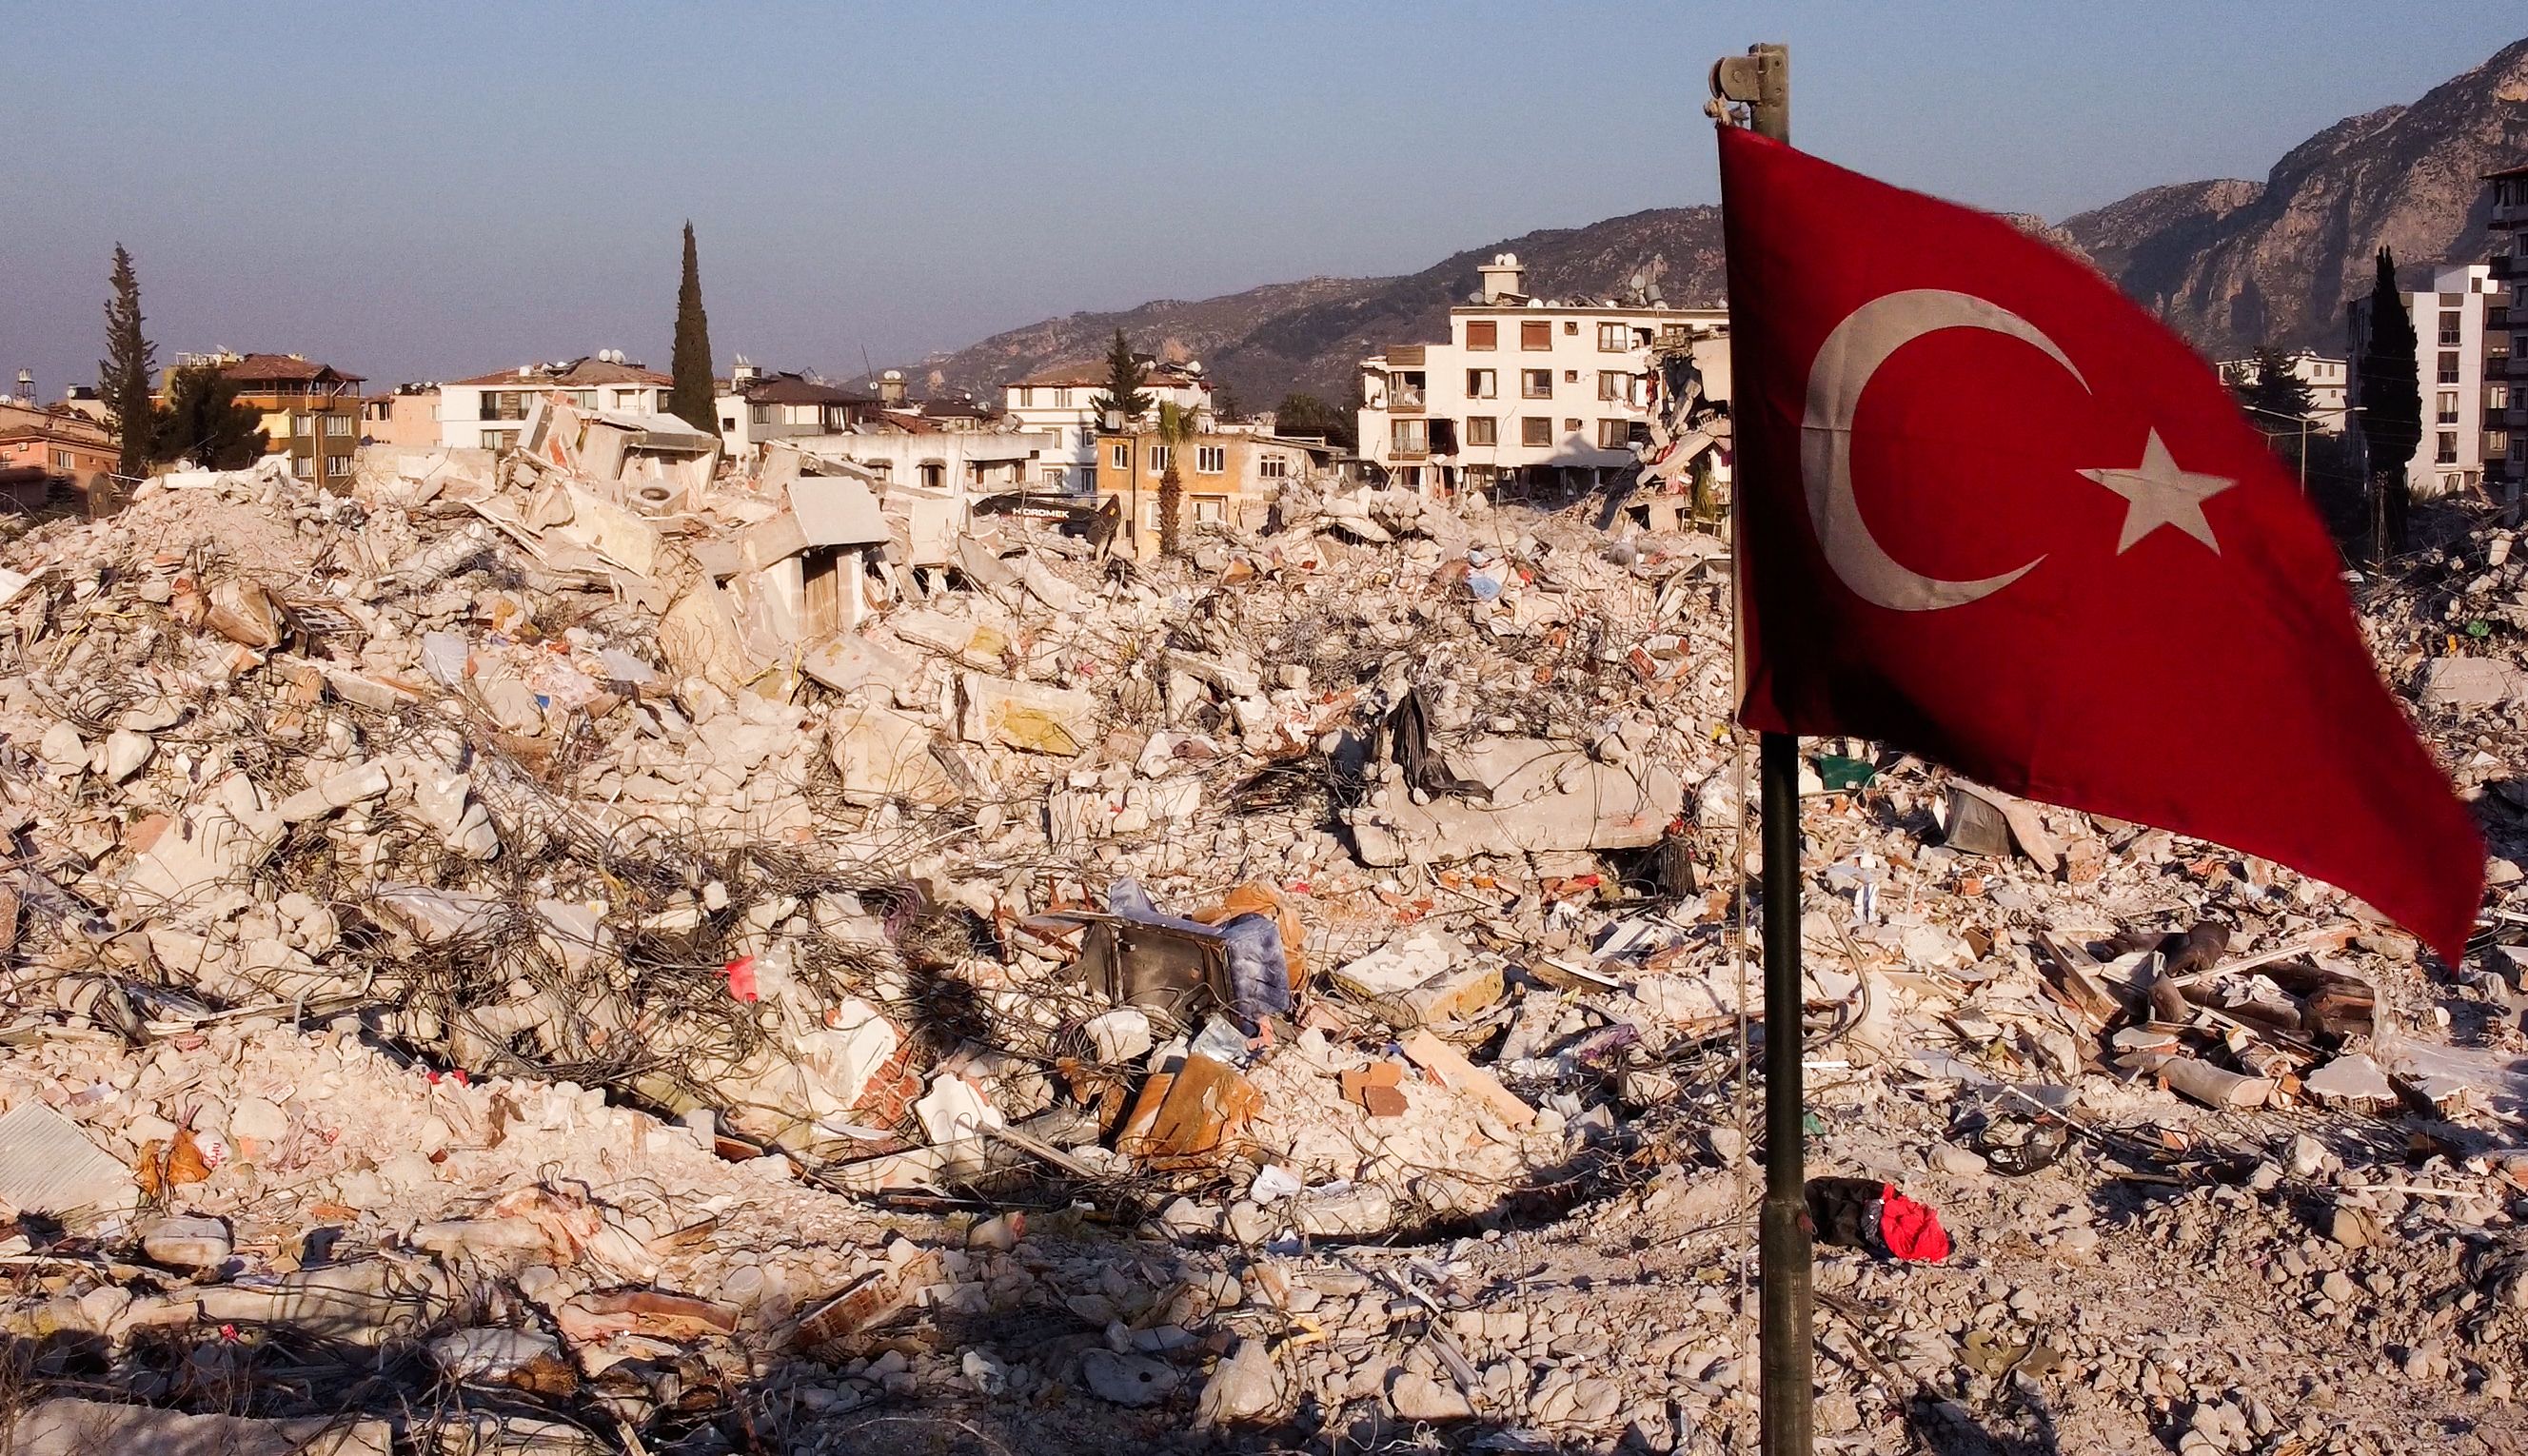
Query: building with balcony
point(1229, 478)
point(2461, 401)
point(2326, 380)
point(312, 413)
point(1525, 392)
point(1055, 403)
point(757, 408)
point(2505, 338)
point(486, 412)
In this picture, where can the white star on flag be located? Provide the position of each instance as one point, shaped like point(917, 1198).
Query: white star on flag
point(2161, 494)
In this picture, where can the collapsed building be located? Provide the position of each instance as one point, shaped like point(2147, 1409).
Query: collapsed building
point(631, 948)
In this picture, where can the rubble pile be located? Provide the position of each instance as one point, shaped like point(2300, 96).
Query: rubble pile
point(561, 953)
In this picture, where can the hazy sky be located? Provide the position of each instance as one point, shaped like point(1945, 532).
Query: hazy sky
point(428, 190)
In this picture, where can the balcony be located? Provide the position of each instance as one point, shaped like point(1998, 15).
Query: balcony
point(1404, 399)
point(1404, 355)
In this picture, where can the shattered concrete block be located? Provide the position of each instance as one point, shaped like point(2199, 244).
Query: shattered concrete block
point(240, 610)
point(1429, 975)
point(226, 834)
point(849, 662)
point(1030, 716)
point(883, 756)
point(2471, 682)
point(338, 791)
point(69, 1426)
point(1545, 796)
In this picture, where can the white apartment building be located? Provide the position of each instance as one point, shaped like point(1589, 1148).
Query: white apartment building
point(486, 412)
point(1055, 402)
point(756, 407)
point(2329, 383)
point(1523, 391)
point(2461, 403)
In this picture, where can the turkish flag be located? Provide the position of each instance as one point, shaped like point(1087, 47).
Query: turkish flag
point(1993, 513)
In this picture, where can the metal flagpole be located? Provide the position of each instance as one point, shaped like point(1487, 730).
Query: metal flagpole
point(1762, 80)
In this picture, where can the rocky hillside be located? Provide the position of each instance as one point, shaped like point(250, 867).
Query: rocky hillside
point(2236, 263)
point(2232, 263)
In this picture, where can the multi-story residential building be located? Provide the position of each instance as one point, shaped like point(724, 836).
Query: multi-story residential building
point(2328, 381)
point(2506, 339)
point(757, 408)
point(311, 412)
point(1055, 403)
point(1523, 391)
point(59, 443)
point(1229, 478)
point(2450, 356)
point(487, 411)
point(404, 417)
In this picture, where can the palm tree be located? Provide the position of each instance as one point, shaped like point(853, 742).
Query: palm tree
point(1176, 427)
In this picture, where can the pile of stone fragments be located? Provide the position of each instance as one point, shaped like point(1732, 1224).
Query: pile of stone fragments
point(464, 996)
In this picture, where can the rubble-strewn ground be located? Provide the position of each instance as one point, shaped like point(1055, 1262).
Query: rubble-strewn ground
point(468, 990)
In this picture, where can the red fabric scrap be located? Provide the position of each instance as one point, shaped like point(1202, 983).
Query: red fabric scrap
point(1910, 1229)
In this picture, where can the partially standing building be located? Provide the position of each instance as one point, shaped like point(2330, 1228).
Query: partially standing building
point(1525, 392)
point(2505, 338)
point(2452, 361)
point(488, 411)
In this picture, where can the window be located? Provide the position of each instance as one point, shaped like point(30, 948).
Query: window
point(1483, 333)
point(2446, 453)
point(1027, 396)
point(1150, 516)
point(1535, 334)
point(338, 423)
point(1409, 437)
point(1273, 467)
point(1572, 327)
point(1535, 430)
point(1121, 457)
point(1571, 375)
point(62, 461)
point(1210, 459)
point(2445, 403)
point(933, 474)
point(1613, 435)
point(761, 414)
point(1535, 383)
point(1613, 338)
point(1481, 384)
point(499, 439)
point(1482, 430)
point(2497, 397)
point(303, 466)
point(627, 399)
point(503, 404)
point(1052, 475)
point(1210, 510)
point(2497, 443)
point(2450, 320)
point(1062, 399)
point(2448, 367)
point(1615, 383)
point(300, 427)
point(584, 398)
point(728, 424)
point(1156, 457)
point(337, 465)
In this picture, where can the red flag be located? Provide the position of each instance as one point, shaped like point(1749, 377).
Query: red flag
point(1995, 514)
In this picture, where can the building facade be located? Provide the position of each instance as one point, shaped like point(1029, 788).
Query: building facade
point(405, 417)
point(2329, 381)
point(312, 413)
point(487, 411)
point(1523, 392)
point(1229, 478)
point(2460, 398)
point(62, 445)
point(757, 408)
point(1057, 402)
point(2506, 339)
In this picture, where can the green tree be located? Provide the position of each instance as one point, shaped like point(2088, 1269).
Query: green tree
point(2279, 395)
point(690, 398)
point(202, 424)
point(1178, 427)
point(123, 375)
point(1124, 393)
point(1307, 414)
point(2391, 420)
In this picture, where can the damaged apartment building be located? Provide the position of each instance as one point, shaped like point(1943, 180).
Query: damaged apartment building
point(1528, 393)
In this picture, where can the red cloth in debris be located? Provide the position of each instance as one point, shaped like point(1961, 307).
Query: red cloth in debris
point(1993, 513)
point(1910, 1229)
point(741, 978)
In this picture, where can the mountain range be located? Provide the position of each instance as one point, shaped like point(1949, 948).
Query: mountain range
point(2230, 263)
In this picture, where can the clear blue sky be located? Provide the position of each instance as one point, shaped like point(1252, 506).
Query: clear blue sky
point(425, 191)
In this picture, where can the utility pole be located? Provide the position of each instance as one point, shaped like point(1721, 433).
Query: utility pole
point(1760, 80)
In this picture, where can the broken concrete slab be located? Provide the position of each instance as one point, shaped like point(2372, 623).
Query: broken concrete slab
point(1032, 717)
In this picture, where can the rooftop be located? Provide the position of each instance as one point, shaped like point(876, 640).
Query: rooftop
point(574, 373)
point(274, 369)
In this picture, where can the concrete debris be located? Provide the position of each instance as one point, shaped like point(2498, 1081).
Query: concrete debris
point(588, 948)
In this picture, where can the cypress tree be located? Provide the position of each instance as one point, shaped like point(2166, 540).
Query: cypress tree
point(123, 375)
point(2392, 406)
point(690, 399)
point(1124, 393)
